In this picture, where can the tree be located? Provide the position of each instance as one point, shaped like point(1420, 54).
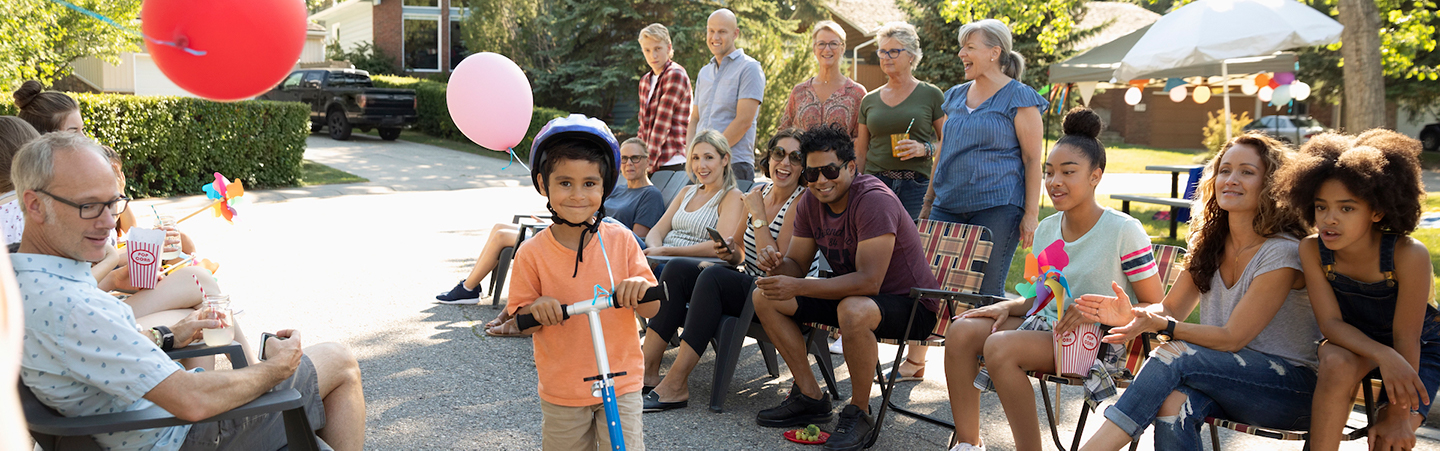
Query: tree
point(1364, 75)
point(939, 36)
point(40, 38)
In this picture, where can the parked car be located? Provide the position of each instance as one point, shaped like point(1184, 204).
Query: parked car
point(1294, 129)
point(345, 99)
point(1430, 137)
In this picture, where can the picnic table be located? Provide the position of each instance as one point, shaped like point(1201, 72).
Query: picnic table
point(1175, 201)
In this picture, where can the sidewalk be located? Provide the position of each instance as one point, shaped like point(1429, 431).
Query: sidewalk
point(359, 264)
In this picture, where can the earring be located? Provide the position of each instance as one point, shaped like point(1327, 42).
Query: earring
point(992, 60)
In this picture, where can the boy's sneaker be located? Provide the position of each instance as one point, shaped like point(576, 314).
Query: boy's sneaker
point(852, 432)
point(797, 410)
point(460, 295)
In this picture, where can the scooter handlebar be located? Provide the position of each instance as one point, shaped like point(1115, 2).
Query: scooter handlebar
point(527, 320)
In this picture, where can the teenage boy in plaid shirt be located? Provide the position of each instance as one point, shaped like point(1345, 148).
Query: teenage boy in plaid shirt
point(664, 101)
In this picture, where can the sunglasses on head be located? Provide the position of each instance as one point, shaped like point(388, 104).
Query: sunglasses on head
point(778, 154)
point(830, 171)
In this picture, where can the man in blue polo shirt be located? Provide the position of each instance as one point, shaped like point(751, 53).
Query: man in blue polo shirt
point(728, 92)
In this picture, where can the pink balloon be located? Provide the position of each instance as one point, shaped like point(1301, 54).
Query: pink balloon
point(490, 100)
point(1285, 78)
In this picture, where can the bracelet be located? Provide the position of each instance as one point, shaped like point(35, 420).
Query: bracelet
point(167, 338)
point(929, 149)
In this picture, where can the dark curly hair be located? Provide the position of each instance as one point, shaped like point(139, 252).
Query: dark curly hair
point(828, 138)
point(788, 132)
point(1082, 129)
point(1380, 167)
point(1210, 224)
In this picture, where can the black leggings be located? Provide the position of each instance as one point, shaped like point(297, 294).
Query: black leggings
point(698, 299)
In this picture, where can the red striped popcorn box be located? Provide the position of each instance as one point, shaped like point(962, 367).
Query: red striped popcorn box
point(1078, 349)
point(143, 246)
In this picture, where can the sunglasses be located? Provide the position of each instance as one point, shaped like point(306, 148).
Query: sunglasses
point(830, 171)
point(778, 154)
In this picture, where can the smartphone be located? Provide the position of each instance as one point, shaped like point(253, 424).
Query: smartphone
point(715, 235)
point(265, 340)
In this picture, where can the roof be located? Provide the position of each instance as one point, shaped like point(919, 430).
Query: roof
point(337, 7)
point(1127, 17)
point(866, 15)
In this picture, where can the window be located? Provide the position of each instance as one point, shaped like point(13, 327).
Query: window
point(422, 44)
point(458, 51)
point(1304, 122)
point(349, 80)
point(314, 76)
point(422, 2)
point(292, 81)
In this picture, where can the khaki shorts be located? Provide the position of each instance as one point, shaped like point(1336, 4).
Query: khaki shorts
point(262, 432)
point(565, 428)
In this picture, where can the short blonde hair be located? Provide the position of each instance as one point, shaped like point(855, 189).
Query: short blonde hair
point(659, 33)
point(908, 37)
point(828, 25)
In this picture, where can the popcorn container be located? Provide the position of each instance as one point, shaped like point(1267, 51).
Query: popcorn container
point(1078, 349)
point(143, 247)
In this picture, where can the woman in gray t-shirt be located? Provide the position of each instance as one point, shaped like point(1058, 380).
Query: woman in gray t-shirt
point(1252, 357)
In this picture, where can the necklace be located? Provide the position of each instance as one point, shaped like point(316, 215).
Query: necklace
point(1234, 261)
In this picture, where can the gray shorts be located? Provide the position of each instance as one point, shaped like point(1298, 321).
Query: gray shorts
point(262, 432)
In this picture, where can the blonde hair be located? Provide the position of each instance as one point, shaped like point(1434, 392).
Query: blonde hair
point(828, 25)
point(908, 37)
point(997, 34)
point(659, 33)
point(722, 146)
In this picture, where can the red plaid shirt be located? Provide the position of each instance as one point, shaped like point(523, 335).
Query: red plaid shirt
point(665, 116)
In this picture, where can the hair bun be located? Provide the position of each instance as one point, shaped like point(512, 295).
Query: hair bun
point(1084, 122)
point(27, 93)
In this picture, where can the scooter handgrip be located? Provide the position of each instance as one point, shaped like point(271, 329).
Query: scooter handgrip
point(527, 320)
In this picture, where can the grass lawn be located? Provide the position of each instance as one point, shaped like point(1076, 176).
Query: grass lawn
point(463, 146)
point(312, 174)
point(1125, 158)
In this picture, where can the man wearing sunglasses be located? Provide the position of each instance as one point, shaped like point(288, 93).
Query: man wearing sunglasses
point(874, 251)
point(84, 354)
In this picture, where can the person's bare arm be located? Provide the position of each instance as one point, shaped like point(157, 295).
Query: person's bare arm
point(745, 112)
point(1031, 131)
point(872, 259)
point(102, 268)
point(1265, 296)
point(656, 236)
point(197, 396)
point(731, 213)
point(862, 145)
point(690, 128)
point(929, 202)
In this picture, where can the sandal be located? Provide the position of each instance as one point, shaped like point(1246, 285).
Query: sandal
point(918, 375)
point(499, 319)
point(506, 329)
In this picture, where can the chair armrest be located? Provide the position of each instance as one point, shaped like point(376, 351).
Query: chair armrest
point(156, 417)
point(200, 349)
point(970, 300)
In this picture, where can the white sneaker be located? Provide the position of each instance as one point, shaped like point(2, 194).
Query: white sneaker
point(836, 348)
point(967, 447)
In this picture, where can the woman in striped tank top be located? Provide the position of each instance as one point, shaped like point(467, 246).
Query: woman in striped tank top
point(712, 201)
point(714, 290)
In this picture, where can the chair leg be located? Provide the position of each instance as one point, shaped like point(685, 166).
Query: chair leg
point(497, 278)
point(887, 384)
point(1079, 425)
point(727, 355)
point(820, 349)
point(1051, 415)
point(298, 432)
point(1214, 437)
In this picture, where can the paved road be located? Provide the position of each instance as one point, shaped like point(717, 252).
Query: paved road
point(359, 263)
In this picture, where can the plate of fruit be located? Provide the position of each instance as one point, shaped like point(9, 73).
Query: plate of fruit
point(811, 435)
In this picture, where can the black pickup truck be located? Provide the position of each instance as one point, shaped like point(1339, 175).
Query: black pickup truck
point(345, 99)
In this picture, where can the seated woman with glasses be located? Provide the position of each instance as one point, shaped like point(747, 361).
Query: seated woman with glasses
point(637, 204)
point(713, 290)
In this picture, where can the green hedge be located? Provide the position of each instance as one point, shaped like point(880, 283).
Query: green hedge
point(435, 113)
point(174, 145)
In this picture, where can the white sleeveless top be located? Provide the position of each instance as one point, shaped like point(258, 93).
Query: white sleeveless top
point(688, 227)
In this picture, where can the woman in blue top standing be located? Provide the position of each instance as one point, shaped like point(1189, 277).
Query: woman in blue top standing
point(987, 171)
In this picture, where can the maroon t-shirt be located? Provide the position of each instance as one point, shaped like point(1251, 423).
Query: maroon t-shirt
point(873, 211)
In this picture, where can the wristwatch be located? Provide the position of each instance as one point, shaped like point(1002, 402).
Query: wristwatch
point(167, 338)
point(757, 224)
point(1168, 334)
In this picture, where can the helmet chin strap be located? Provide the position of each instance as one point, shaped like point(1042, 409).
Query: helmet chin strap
point(592, 226)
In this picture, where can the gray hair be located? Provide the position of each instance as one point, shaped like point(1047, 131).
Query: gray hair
point(34, 165)
point(908, 37)
point(639, 142)
point(997, 34)
point(829, 25)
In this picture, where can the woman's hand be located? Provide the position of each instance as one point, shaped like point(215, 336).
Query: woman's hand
point(768, 259)
point(1402, 384)
point(755, 201)
point(1071, 320)
point(1145, 321)
point(725, 251)
point(658, 251)
point(997, 312)
point(1108, 310)
point(910, 148)
point(1028, 223)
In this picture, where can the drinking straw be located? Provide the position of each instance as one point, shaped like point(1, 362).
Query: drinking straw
point(157, 211)
point(912, 124)
point(197, 283)
point(177, 265)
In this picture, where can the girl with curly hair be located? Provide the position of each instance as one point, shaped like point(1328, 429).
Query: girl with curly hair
point(1370, 282)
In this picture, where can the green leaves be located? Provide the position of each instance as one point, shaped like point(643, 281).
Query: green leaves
point(40, 38)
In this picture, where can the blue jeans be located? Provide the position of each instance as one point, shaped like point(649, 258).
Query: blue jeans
point(1004, 225)
point(1247, 386)
point(910, 192)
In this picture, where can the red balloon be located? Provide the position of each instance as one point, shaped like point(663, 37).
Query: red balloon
point(248, 45)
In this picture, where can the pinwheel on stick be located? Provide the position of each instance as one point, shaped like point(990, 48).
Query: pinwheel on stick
point(225, 195)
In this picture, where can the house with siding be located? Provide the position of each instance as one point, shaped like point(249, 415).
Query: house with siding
point(422, 35)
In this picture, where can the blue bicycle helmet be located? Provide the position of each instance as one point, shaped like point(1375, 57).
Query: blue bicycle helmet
point(577, 126)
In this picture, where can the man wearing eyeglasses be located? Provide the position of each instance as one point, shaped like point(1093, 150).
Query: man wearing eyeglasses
point(876, 255)
point(84, 354)
point(728, 92)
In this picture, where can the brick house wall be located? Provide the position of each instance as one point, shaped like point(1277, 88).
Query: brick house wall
point(387, 28)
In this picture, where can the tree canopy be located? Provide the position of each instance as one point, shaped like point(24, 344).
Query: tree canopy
point(40, 38)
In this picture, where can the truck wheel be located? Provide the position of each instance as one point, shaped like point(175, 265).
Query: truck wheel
point(1430, 141)
point(389, 134)
point(339, 126)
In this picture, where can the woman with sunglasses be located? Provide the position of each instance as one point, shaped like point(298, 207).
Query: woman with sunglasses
point(828, 97)
point(713, 290)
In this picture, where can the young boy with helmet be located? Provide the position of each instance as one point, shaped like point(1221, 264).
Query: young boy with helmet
point(574, 163)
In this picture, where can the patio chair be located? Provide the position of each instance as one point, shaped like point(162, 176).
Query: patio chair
point(507, 254)
point(1169, 260)
point(669, 183)
point(1366, 386)
point(56, 432)
point(957, 253)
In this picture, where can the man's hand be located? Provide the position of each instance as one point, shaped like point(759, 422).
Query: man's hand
point(286, 352)
point(768, 259)
point(778, 288)
point(547, 311)
point(188, 329)
point(628, 292)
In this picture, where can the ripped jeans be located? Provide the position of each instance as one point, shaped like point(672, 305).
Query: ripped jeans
point(1247, 386)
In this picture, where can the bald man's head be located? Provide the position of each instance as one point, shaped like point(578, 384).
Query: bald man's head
point(721, 30)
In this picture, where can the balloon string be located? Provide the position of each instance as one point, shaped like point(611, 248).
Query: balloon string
point(176, 44)
point(511, 152)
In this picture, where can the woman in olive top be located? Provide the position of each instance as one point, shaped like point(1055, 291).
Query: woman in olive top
point(903, 103)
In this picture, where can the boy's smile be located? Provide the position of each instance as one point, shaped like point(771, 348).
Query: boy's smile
point(575, 189)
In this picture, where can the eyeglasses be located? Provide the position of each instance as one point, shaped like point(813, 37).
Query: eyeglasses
point(829, 44)
point(633, 159)
point(830, 171)
point(91, 210)
point(892, 53)
point(779, 154)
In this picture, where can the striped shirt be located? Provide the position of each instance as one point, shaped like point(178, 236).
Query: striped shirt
point(1115, 249)
point(775, 225)
point(665, 114)
point(980, 165)
point(688, 227)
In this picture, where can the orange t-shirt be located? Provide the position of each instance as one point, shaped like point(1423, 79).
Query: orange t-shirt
point(564, 355)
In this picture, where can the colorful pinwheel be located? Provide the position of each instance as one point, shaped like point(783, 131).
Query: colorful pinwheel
point(1046, 281)
point(226, 195)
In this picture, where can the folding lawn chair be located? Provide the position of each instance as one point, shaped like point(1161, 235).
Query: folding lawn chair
point(1366, 386)
point(507, 254)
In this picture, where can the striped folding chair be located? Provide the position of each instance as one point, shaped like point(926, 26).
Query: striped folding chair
point(1366, 385)
point(957, 254)
point(1168, 260)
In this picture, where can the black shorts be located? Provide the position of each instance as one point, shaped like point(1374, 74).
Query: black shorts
point(894, 311)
